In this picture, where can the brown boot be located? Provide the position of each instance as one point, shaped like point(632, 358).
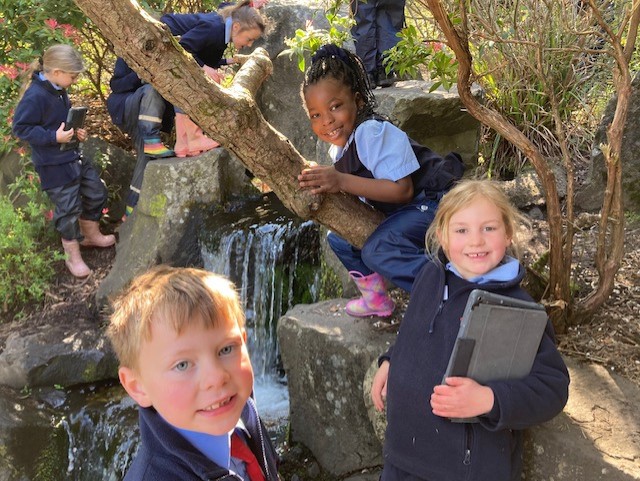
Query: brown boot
point(74, 261)
point(90, 229)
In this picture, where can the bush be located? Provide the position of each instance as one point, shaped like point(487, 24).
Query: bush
point(26, 256)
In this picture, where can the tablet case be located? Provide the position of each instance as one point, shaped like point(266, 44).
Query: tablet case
point(75, 120)
point(498, 339)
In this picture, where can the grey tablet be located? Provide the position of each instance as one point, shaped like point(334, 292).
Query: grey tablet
point(498, 338)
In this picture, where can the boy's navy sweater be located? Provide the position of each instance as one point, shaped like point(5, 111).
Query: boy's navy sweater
point(434, 448)
point(164, 454)
point(37, 118)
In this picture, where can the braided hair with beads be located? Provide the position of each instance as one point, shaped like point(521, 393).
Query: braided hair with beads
point(331, 61)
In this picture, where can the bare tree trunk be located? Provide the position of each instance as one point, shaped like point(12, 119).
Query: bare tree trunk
point(559, 266)
point(610, 247)
point(230, 116)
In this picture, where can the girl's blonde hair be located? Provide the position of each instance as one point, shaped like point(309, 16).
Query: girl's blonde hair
point(57, 57)
point(245, 15)
point(177, 297)
point(461, 196)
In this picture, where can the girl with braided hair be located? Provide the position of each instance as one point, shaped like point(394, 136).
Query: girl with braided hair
point(376, 161)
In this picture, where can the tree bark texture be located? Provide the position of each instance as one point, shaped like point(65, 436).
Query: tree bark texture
point(230, 116)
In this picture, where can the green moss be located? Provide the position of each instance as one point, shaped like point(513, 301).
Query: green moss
point(157, 205)
point(330, 284)
point(48, 466)
point(90, 372)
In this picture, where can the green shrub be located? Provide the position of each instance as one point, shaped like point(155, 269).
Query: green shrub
point(309, 40)
point(26, 255)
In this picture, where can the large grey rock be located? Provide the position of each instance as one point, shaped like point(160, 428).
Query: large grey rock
point(118, 173)
point(67, 354)
point(284, 18)
point(325, 355)
point(162, 228)
point(589, 197)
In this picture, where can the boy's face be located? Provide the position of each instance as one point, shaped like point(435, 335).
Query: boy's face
point(476, 239)
point(197, 380)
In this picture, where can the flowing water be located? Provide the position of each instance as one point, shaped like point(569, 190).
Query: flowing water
point(273, 258)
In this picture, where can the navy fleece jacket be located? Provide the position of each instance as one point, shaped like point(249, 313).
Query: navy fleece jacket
point(201, 34)
point(37, 118)
point(434, 448)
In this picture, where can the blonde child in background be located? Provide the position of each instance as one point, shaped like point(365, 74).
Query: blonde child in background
point(68, 178)
point(472, 236)
point(179, 336)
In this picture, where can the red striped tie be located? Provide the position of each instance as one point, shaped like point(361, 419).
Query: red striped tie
point(241, 451)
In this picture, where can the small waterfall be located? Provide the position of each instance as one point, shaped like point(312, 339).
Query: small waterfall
point(273, 258)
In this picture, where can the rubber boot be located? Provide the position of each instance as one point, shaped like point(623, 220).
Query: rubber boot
point(197, 141)
point(374, 301)
point(74, 261)
point(182, 144)
point(155, 149)
point(90, 229)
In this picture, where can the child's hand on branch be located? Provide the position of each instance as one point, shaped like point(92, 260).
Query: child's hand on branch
point(64, 136)
point(320, 179)
point(212, 73)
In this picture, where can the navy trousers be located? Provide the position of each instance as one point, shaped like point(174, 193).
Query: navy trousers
point(84, 197)
point(396, 249)
point(377, 23)
point(144, 111)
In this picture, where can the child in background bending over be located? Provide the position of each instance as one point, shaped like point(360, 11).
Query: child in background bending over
point(374, 160)
point(474, 230)
point(206, 36)
point(68, 178)
point(139, 110)
point(180, 339)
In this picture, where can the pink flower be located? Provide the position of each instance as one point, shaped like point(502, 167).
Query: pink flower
point(436, 46)
point(30, 178)
point(22, 66)
point(9, 71)
point(21, 151)
point(48, 215)
point(68, 31)
point(105, 211)
point(51, 23)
